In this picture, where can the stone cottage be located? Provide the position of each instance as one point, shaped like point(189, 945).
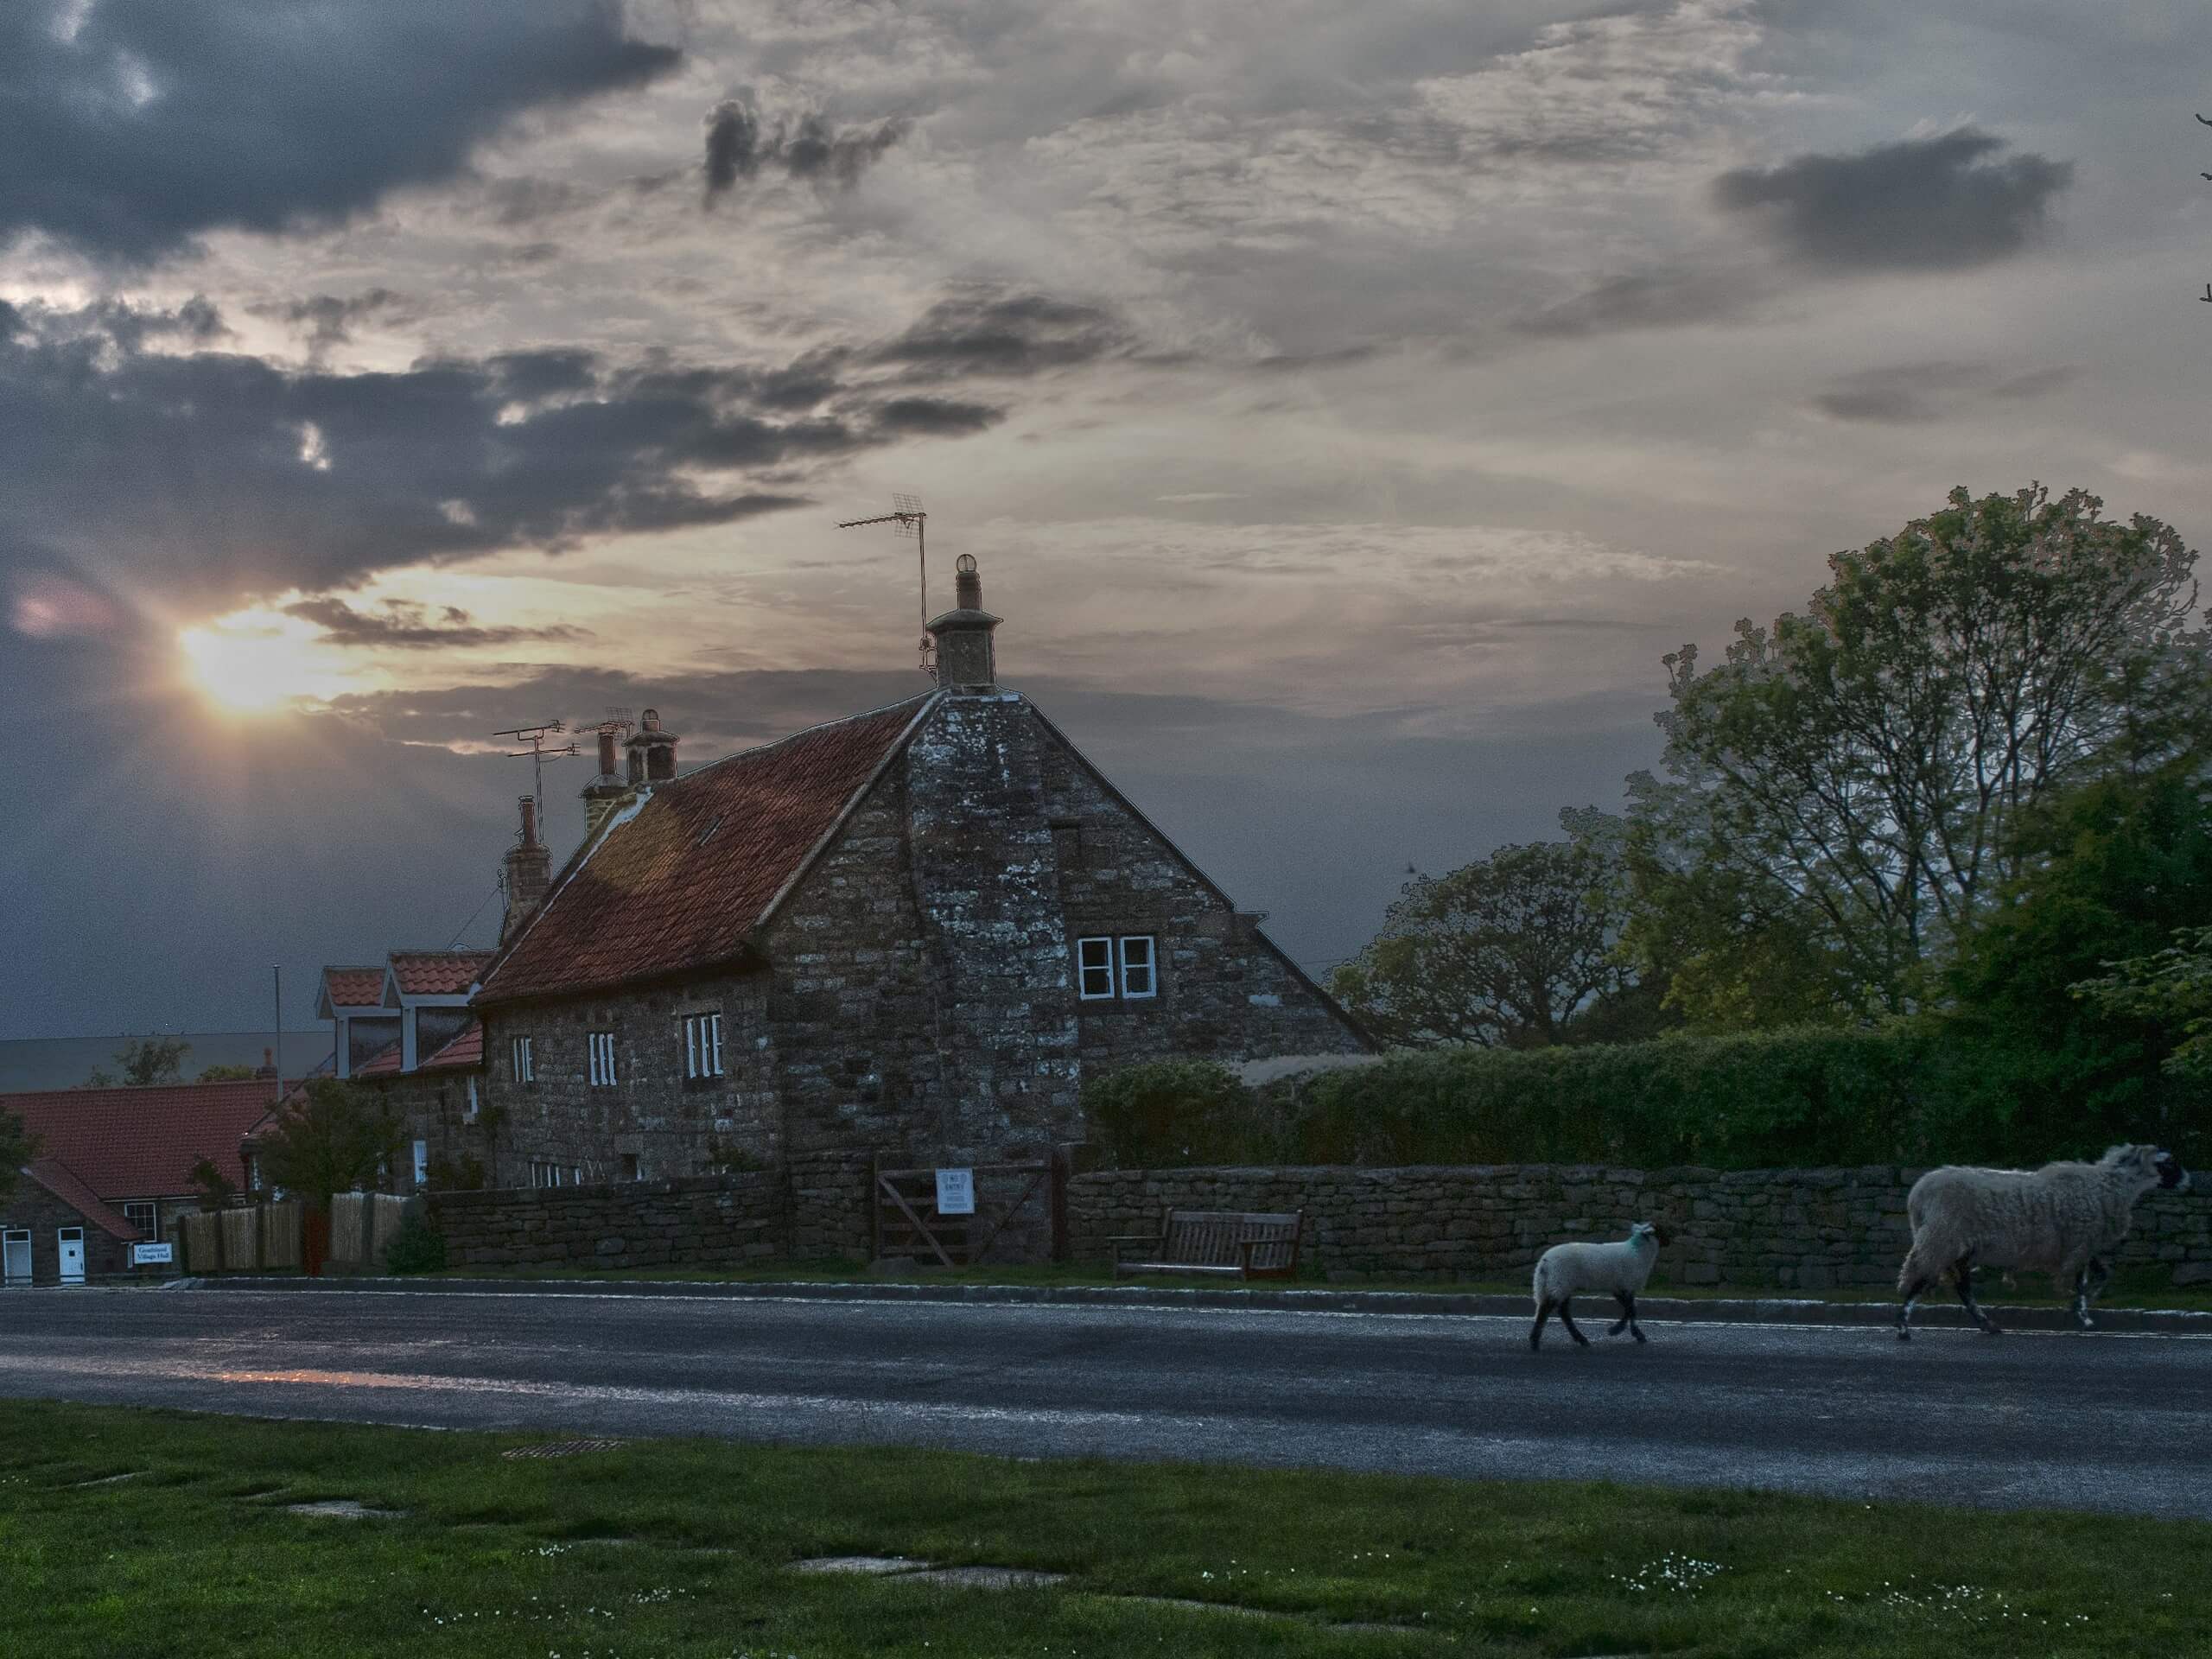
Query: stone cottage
point(912, 932)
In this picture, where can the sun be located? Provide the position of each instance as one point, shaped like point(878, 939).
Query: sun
point(257, 661)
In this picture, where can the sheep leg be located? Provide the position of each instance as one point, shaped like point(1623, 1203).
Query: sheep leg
point(2086, 1288)
point(1536, 1333)
point(1913, 1288)
point(1964, 1274)
point(1566, 1318)
point(1627, 1320)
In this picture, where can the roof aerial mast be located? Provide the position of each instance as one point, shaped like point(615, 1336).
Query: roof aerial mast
point(535, 736)
point(907, 513)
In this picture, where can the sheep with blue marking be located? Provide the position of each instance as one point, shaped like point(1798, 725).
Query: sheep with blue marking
point(1619, 1269)
point(2065, 1219)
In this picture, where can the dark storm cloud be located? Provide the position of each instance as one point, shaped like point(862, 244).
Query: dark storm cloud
point(414, 627)
point(328, 320)
point(940, 417)
point(1647, 300)
point(246, 476)
point(809, 148)
point(987, 332)
point(1904, 394)
point(153, 122)
point(1922, 204)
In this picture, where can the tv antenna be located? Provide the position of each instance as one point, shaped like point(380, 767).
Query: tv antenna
point(907, 513)
point(535, 736)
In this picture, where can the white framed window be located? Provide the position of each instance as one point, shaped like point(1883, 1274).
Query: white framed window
point(1094, 969)
point(421, 1163)
point(602, 1059)
point(1140, 976)
point(468, 1112)
point(141, 1216)
point(702, 1045)
point(518, 1053)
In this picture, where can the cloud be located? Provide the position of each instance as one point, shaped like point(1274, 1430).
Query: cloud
point(247, 477)
point(1922, 204)
point(1904, 394)
point(328, 320)
point(809, 148)
point(153, 123)
point(409, 626)
point(1646, 299)
point(985, 332)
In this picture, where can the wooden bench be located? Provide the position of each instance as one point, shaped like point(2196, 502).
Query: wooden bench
point(1242, 1244)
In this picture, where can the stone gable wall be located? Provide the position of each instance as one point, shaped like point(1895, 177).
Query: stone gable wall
point(1223, 993)
point(31, 1208)
point(1802, 1230)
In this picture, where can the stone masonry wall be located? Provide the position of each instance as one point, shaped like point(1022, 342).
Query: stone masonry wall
point(1225, 992)
point(1800, 1229)
point(31, 1208)
point(715, 1220)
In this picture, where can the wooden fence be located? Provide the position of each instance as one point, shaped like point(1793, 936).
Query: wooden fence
point(260, 1237)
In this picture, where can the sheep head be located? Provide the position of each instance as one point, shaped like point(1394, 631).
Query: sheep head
point(2152, 1166)
point(1643, 1230)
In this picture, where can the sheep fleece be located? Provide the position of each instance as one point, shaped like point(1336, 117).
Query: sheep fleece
point(2053, 1219)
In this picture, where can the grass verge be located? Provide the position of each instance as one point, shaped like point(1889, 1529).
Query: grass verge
point(678, 1547)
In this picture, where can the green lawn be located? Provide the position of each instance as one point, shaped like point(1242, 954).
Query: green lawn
point(2142, 1289)
point(679, 1548)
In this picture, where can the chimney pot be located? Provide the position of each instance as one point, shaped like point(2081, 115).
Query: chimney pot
point(965, 655)
point(652, 750)
point(606, 753)
point(529, 820)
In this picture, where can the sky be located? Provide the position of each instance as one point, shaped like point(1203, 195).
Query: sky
point(1347, 406)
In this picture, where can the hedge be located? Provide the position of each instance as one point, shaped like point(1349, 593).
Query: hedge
point(1794, 1097)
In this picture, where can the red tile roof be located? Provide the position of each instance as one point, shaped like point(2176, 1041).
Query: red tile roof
point(436, 973)
point(354, 987)
point(682, 882)
point(142, 1143)
point(384, 1063)
point(467, 1049)
point(59, 1179)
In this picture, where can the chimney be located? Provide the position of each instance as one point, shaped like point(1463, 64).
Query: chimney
point(527, 871)
point(605, 794)
point(267, 1064)
point(652, 751)
point(965, 657)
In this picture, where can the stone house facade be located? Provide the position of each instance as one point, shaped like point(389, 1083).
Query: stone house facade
point(912, 932)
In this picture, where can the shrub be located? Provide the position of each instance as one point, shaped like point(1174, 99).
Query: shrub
point(1793, 1097)
point(415, 1248)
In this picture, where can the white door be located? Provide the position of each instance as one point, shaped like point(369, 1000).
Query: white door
point(15, 1258)
point(71, 1239)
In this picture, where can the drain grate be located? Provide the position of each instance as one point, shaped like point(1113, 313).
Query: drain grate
point(561, 1448)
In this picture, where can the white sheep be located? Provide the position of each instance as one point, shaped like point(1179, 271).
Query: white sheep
point(2065, 1219)
point(1619, 1268)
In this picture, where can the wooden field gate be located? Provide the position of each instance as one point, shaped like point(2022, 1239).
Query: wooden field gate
point(1021, 1209)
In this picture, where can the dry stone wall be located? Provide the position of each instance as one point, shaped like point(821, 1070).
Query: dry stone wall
point(701, 1220)
point(1807, 1230)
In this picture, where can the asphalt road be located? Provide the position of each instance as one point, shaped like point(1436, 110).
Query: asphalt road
point(2105, 1422)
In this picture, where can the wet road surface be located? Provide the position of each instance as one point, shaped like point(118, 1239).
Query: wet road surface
point(2106, 1422)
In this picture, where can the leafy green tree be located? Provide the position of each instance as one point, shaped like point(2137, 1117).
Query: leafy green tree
point(333, 1137)
point(225, 1073)
point(2172, 986)
point(1841, 790)
point(1505, 952)
point(2103, 868)
point(143, 1062)
point(215, 1189)
point(18, 1146)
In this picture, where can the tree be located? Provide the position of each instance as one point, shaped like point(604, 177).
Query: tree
point(216, 1190)
point(2104, 868)
point(2172, 986)
point(330, 1139)
point(143, 1061)
point(1504, 952)
point(18, 1146)
point(1841, 790)
point(225, 1073)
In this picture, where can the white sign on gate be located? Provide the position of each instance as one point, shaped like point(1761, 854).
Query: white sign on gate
point(149, 1256)
point(955, 1192)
